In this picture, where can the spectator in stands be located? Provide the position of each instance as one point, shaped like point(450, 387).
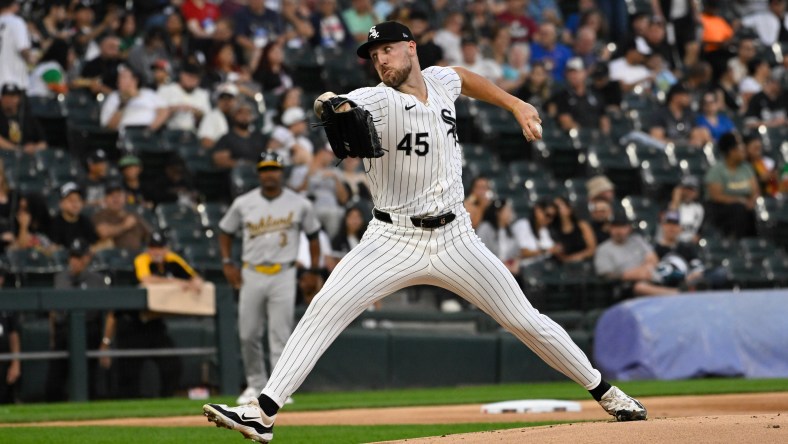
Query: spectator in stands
point(515, 68)
point(290, 140)
point(675, 123)
point(608, 91)
point(763, 166)
point(177, 40)
point(578, 107)
point(572, 23)
point(49, 78)
point(546, 48)
point(224, 68)
point(600, 188)
point(116, 227)
point(147, 330)
point(75, 277)
point(201, 17)
point(31, 227)
point(745, 52)
point(663, 77)
point(601, 214)
point(770, 25)
point(473, 61)
point(360, 17)
point(574, 236)
point(130, 167)
point(86, 30)
point(331, 31)
point(53, 24)
point(654, 37)
point(479, 20)
point(588, 49)
point(533, 234)
point(257, 25)
point(355, 180)
point(132, 105)
point(349, 235)
point(142, 58)
point(628, 258)
point(684, 201)
point(102, 72)
point(18, 130)
point(681, 14)
point(784, 179)
point(678, 260)
point(522, 27)
point(242, 143)
point(70, 224)
point(10, 371)
point(298, 27)
point(8, 200)
point(732, 189)
point(712, 118)
point(127, 32)
point(728, 90)
point(496, 233)
point(768, 107)
point(96, 179)
point(187, 103)
point(538, 88)
point(629, 70)
point(698, 80)
point(15, 38)
point(716, 35)
point(324, 186)
point(545, 11)
point(175, 185)
point(428, 52)
point(162, 73)
point(758, 72)
point(449, 38)
point(479, 198)
point(271, 71)
point(216, 123)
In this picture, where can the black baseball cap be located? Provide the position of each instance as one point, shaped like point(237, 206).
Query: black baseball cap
point(78, 248)
point(11, 88)
point(97, 156)
point(68, 188)
point(671, 217)
point(390, 31)
point(113, 186)
point(157, 239)
point(620, 218)
point(269, 160)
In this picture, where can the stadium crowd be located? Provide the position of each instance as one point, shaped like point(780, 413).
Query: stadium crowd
point(664, 164)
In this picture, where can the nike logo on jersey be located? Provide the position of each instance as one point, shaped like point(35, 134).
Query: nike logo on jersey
point(408, 108)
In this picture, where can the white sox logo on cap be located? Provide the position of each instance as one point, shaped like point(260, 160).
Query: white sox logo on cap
point(373, 33)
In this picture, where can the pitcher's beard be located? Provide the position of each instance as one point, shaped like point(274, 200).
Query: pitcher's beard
point(399, 76)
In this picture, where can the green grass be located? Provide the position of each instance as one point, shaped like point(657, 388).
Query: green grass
point(385, 398)
point(283, 435)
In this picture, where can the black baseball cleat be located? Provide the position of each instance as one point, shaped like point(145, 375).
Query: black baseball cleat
point(622, 406)
point(249, 419)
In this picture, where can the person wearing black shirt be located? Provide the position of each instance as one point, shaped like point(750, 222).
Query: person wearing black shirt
point(70, 224)
point(103, 70)
point(674, 122)
point(242, 143)
point(130, 167)
point(428, 52)
point(77, 276)
point(95, 183)
point(604, 89)
point(577, 106)
point(18, 128)
point(768, 107)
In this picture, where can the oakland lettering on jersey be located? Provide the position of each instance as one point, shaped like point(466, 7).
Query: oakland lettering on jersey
point(269, 224)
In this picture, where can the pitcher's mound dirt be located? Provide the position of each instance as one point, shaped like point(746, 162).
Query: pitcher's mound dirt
point(761, 429)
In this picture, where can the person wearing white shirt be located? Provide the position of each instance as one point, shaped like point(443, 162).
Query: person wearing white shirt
point(187, 102)
point(770, 25)
point(497, 234)
point(290, 141)
point(629, 70)
point(449, 38)
point(14, 46)
point(533, 234)
point(473, 61)
point(132, 106)
point(216, 123)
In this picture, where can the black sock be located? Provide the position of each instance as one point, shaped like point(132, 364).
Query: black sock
point(600, 390)
point(268, 405)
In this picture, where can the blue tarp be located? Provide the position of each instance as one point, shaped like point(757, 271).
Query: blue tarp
point(695, 335)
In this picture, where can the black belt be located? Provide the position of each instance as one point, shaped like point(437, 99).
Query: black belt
point(418, 222)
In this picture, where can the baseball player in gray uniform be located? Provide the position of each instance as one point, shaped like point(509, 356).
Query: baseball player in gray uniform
point(271, 218)
point(420, 234)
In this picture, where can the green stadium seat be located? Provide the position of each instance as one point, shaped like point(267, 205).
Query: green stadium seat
point(177, 216)
point(243, 178)
point(139, 140)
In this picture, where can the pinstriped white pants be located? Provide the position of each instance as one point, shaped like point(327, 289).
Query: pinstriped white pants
point(394, 256)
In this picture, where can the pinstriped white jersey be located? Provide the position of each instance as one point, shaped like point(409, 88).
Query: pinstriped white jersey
point(421, 172)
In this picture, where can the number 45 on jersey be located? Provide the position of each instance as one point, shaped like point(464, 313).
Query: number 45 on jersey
point(417, 144)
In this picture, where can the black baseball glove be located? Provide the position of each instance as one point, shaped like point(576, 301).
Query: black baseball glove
point(351, 133)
